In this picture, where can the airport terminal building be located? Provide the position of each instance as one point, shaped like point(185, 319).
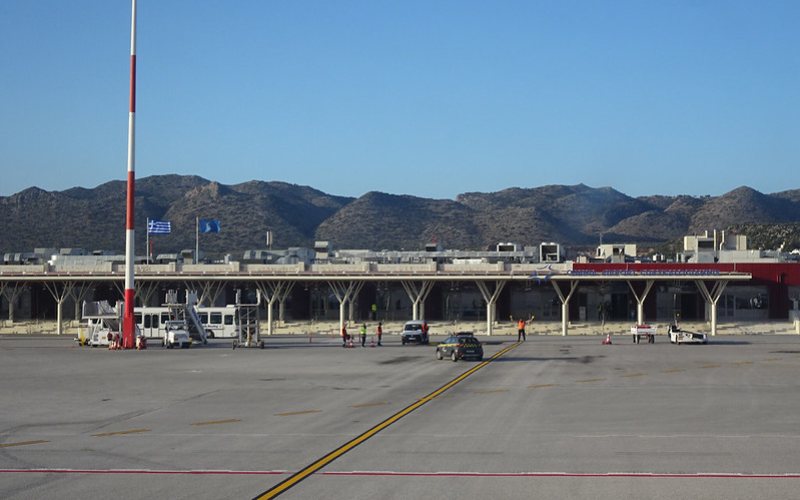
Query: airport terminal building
point(715, 279)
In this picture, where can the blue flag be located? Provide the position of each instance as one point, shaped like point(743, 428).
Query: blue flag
point(159, 227)
point(209, 226)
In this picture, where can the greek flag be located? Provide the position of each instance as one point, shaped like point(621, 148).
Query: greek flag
point(209, 226)
point(159, 227)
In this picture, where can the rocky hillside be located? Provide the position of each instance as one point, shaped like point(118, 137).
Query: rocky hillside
point(299, 215)
point(95, 218)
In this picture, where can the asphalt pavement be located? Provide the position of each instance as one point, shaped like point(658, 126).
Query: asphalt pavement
point(553, 417)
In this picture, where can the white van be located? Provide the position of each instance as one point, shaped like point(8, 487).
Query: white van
point(415, 331)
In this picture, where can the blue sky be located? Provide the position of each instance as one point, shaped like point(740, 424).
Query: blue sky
point(431, 98)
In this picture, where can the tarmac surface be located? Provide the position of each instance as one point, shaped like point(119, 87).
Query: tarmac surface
point(553, 417)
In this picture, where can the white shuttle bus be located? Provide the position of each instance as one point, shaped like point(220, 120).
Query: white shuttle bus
point(152, 321)
point(219, 322)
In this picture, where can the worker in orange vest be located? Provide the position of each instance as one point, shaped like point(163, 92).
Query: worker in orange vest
point(521, 330)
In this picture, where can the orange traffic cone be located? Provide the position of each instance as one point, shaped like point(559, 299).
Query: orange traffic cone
point(372, 341)
point(607, 340)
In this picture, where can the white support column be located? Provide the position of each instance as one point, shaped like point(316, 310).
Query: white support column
point(145, 291)
point(491, 301)
point(351, 303)
point(209, 291)
point(573, 285)
point(712, 297)
point(3, 285)
point(425, 290)
point(343, 292)
point(271, 291)
point(282, 300)
point(77, 294)
point(270, 300)
point(12, 293)
point(59, 295)
point(640, 300)
point(193, 286)
point(215, 290)
point(417, 296)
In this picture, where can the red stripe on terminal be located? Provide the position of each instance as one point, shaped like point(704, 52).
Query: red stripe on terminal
point(133, 83)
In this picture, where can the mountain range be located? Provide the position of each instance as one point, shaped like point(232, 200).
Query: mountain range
point(575, 216)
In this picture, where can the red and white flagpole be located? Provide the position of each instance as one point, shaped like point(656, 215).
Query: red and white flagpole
point(128, 326)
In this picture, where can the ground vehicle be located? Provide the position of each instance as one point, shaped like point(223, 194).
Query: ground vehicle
point(100, 333)
point(680, 336)
point(415, 331)
point(218, 322)
point(103, 324)
point(646, 331)
point(177, 334)
point(460, 346)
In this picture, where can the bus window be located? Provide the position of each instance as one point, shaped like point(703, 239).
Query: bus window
point(229, 319)
point(216, 318)
point(204, 318)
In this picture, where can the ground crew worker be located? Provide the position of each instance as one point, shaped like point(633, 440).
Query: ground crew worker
point(379, 332)
point(521, 330)
point(363, 332)
point(344, 335)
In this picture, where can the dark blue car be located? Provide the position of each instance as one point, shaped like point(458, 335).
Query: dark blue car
point(460, 346)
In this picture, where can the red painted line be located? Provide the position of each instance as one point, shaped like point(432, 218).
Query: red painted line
point(634, 475)
point(567, 474)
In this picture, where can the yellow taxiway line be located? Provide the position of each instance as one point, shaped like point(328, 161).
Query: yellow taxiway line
point(216, 422)
point(338, 452)
point(121, 433)
point(23, 443)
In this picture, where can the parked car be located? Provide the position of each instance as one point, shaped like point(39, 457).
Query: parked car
point(415, 331)
point(460, 346)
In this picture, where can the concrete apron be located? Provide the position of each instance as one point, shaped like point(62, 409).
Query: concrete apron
point(331, 328)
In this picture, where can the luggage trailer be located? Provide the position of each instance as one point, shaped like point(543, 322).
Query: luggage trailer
point(648, 332)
